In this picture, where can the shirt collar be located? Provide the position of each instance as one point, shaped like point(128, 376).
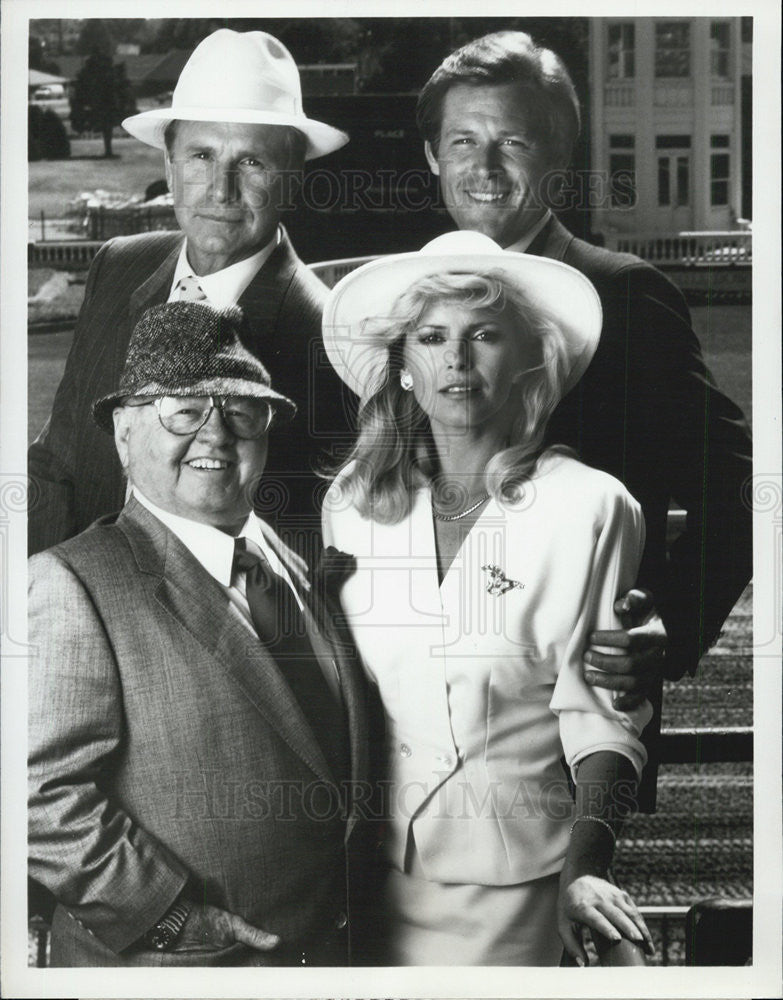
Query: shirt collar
point(224, 288)
point(213, 548)
point(524, 242)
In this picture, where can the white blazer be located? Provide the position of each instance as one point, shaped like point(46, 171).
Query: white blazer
point(481, 678)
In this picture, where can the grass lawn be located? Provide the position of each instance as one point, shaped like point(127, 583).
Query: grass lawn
point(53, 183)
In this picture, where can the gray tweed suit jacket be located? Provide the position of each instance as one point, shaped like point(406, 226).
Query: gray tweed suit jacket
point(166, 748)
point(75, 476)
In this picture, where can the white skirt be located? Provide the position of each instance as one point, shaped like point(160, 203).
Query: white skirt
point(432, 923)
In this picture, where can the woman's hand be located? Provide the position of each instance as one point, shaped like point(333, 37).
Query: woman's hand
point(589, 901)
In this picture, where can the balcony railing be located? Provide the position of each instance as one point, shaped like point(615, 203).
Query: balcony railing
point(689, 248)
point(620, 95)
point(673, 94)
point(722, 94)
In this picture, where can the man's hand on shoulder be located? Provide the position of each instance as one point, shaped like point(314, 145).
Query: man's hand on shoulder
point(640, 647)
point(209, 928)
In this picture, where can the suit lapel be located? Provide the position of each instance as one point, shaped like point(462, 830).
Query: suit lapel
point(552, 241)
point(190, 595)
point(352, 683)
point(321, 615)
point(263, 298)
point(261, 301)
point(354, 689)
point(246, 660)
point(155, 289)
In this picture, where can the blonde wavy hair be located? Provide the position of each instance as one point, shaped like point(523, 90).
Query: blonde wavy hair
point(390, 458)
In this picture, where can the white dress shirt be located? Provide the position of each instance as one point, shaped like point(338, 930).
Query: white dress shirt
point(223, 288)
point(214, 549)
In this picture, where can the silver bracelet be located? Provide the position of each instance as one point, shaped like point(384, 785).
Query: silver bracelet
point(595, 819)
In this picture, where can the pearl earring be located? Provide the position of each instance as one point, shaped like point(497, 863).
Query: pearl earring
point(406, 380)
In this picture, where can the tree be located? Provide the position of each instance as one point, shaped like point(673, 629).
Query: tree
point(180, 33)
point(398, 54)
point(95, 38)
point(102, 97)
point(46, 135)
point(310, 40)
point(37, 58)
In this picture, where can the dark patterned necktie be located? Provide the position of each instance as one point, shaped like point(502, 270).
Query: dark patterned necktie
point(190, 290)
point(281, 627)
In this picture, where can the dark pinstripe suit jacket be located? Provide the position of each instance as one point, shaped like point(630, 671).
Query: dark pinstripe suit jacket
point(74, 471)
point(648, 412)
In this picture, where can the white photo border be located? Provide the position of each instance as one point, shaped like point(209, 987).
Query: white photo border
point(761, 979)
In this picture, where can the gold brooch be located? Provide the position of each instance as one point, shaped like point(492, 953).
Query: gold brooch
point(498, 583)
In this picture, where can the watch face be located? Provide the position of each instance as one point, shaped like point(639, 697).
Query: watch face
point(161, 938)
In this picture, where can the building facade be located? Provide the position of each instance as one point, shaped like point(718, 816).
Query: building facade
point(666, 123)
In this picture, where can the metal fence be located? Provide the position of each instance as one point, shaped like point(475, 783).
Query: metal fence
point(690, 248)
point(667, 927)
point(659, 250)
point(76, 254)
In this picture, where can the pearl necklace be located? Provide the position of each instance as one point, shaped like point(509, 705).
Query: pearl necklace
point(462, 513)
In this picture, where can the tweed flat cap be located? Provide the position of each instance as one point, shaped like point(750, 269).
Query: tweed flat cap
point(191, 349)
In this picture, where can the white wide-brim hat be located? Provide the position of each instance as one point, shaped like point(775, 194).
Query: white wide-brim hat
point(245, 77)
point(359, 302)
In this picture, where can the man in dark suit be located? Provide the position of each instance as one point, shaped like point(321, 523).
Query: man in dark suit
point(198, 737)
point(234, 145)
point(499, 118)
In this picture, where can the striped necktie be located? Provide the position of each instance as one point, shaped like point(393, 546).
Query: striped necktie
point(281, 627)
point(190, 290)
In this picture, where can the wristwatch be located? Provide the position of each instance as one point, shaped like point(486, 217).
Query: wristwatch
point(166, 931)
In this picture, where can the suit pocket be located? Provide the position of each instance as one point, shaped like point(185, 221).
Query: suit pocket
point(234, 954)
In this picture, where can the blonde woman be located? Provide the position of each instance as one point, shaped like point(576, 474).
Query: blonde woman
point(483, 564)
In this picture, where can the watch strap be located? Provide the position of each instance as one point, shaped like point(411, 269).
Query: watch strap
point(166, 931)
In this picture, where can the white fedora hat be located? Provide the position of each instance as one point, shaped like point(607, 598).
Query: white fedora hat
point(358, 304)
point(246, 77)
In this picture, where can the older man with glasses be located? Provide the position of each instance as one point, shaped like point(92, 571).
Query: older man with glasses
point(197, 725)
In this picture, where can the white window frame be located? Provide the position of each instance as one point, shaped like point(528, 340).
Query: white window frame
point(626, 52)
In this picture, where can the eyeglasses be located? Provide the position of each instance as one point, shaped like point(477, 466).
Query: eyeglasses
point(245, 417)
